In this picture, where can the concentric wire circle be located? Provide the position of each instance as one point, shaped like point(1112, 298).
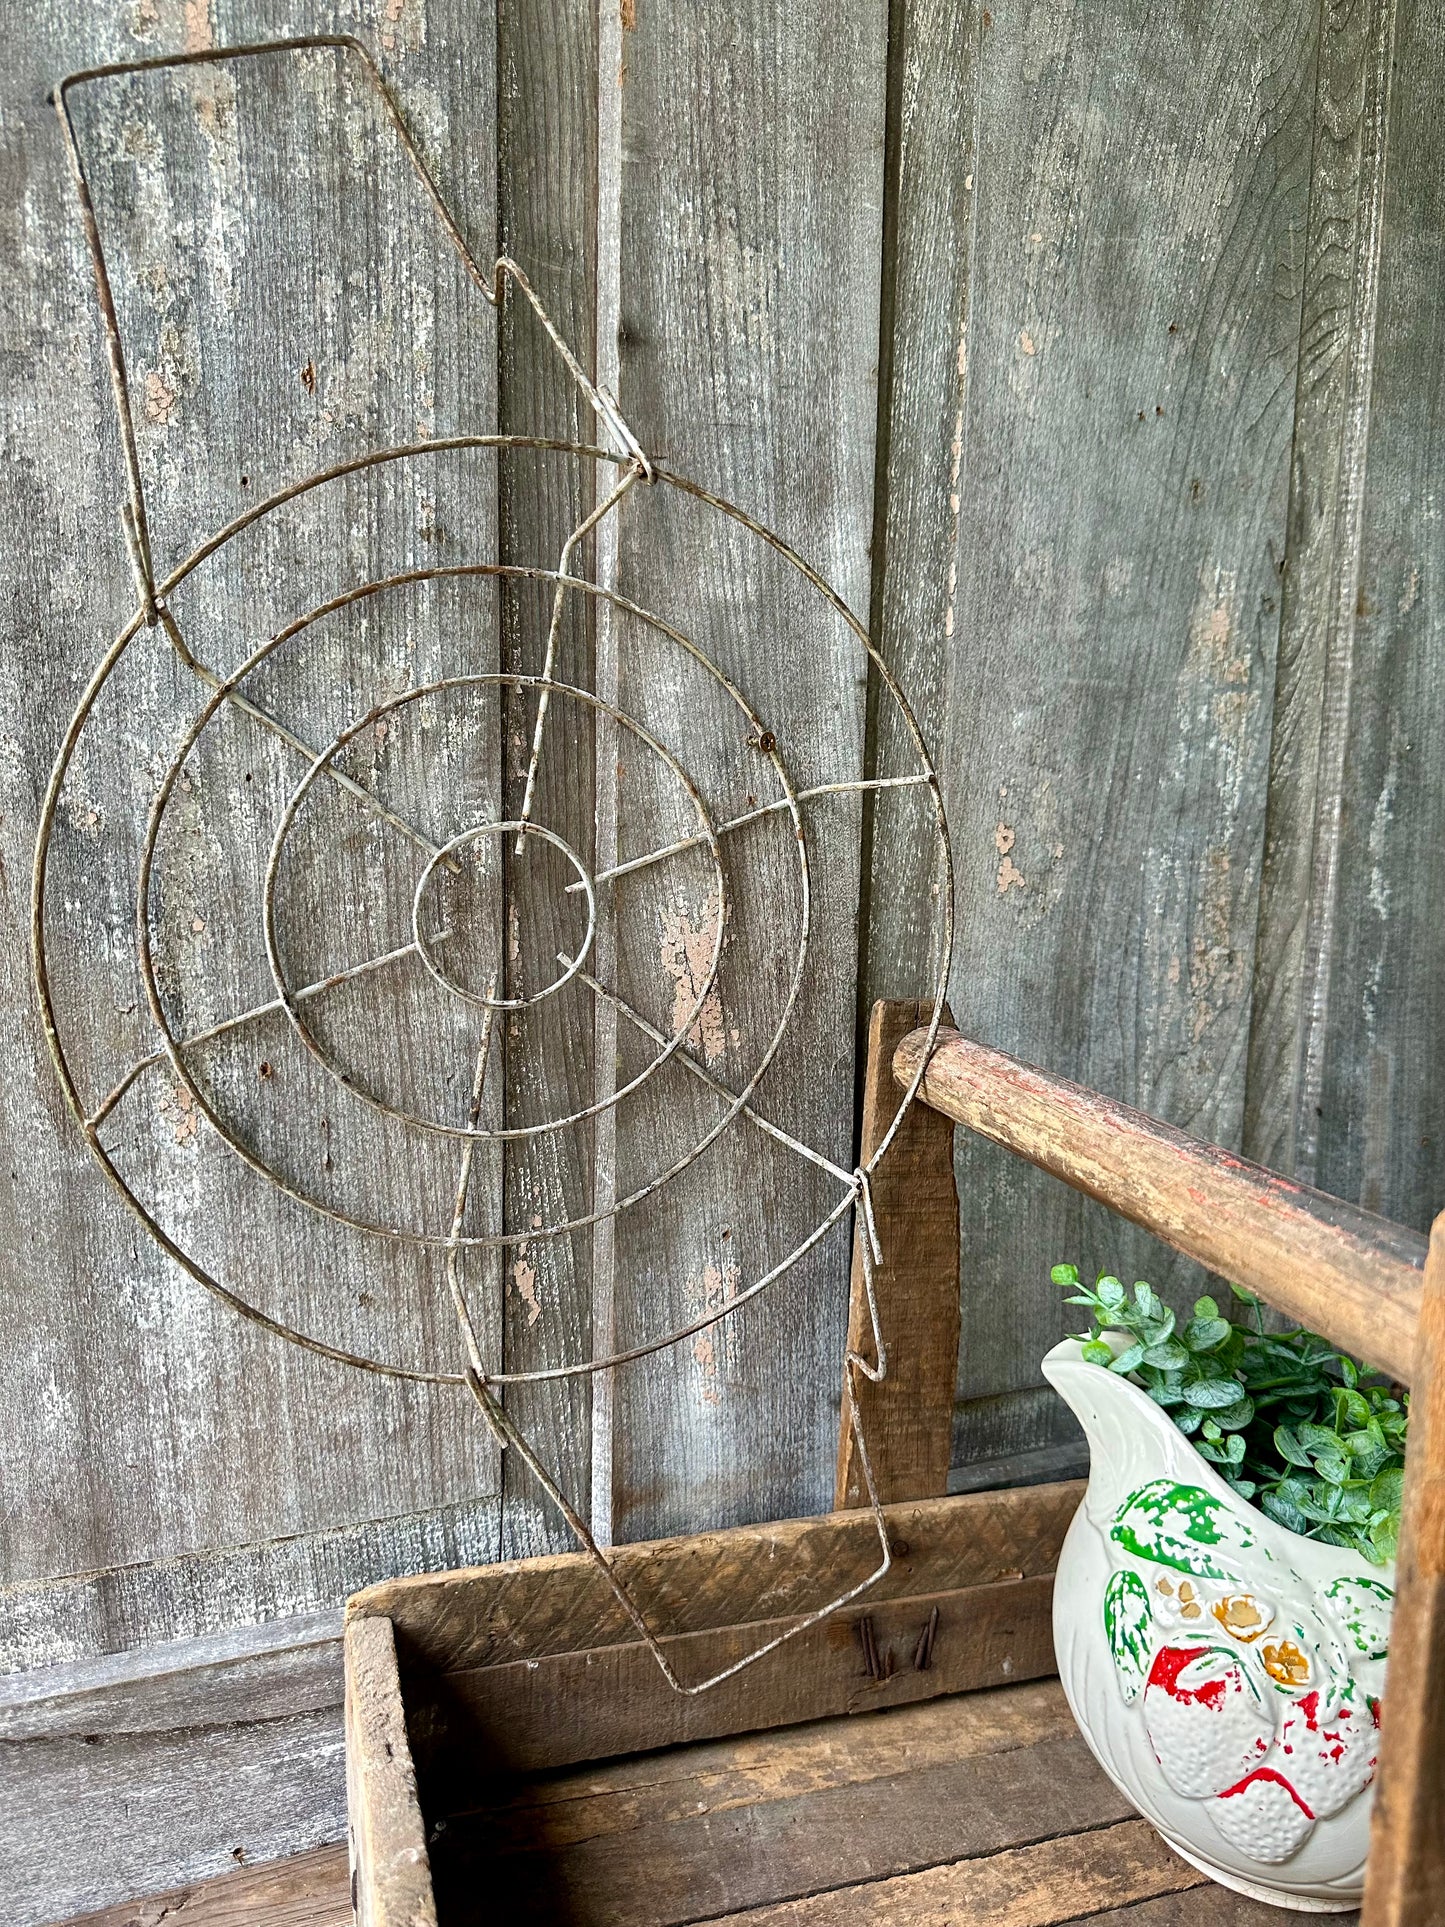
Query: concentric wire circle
point(173, 1048)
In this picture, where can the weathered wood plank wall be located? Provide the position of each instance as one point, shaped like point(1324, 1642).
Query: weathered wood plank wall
point(1094, 352)
point(1133, 334)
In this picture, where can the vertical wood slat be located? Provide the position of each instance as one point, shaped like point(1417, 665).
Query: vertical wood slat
point(1381, 1122)
point(908, 1419)
point(1319, 592)
point(391, 1877)
point(199, 1433)
point(1098, 247)
point(1406, 1878)
point(738, 316)
point(546, 192)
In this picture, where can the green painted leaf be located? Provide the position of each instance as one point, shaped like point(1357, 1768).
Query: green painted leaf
point(1128, 1621)
point(1362, 1607)
point(1184, 1527)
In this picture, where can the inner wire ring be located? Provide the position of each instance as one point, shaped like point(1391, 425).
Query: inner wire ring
point(701, 987)
point(424, 942)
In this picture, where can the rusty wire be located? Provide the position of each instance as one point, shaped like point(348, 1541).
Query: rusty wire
point(155, 613)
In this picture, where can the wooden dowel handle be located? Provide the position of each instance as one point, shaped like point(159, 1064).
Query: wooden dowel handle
point(1335, 1268)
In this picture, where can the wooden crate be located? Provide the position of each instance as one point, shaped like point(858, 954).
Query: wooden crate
point(514, 1756)
point(514, 1753)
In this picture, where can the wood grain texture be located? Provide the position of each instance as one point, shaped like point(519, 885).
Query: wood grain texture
point(1033, 1886)
point(560, 1604)
point(1099, 229)
point(588, 1705)
point(387, 1832)
point(148, 1426)
point(728, 1826)
point(1382, 1123)
point(1298, 938)
point(1331, 1266)
point(309, 1890)
point(126, 1774)
point(1407, 1842)
point(908, 1419)
point(739, 314)
point(546, 214)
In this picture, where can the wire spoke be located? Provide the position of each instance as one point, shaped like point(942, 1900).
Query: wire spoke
point(583, 529)
point(753, 816)
point(227, 1024)
point(714, 1084)
point(204, 673)
point(464, 1182)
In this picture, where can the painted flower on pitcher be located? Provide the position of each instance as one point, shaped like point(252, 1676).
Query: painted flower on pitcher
point(1247, 1696)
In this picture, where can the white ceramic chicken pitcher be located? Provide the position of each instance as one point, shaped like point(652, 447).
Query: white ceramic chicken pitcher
point(1225, 1671)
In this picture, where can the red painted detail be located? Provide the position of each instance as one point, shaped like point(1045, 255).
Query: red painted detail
point(1268, 1773)
point(1169, 1663)
point(1310, 1707)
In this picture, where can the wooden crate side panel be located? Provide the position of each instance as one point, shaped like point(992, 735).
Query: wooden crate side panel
point(561, 1604)
point(388, 1836)
point(609, 1700)
point(1099, 232)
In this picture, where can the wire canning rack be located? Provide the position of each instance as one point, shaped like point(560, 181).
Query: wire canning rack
point(452, 882)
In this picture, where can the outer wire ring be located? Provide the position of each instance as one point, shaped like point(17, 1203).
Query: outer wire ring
point(105, 668)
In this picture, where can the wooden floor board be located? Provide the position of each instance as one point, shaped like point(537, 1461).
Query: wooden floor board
point(310, 1890)
point(980, 1808)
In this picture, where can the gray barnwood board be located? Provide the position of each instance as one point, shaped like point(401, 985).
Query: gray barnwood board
point(546, 211)
point(1297, 948)
point(49, 1621)
point(739, 302)
point(147, 1424)
point(1099, 230)
point(1382, 1127)
point(135, 1773)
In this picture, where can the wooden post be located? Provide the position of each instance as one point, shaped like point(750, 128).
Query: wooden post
point(1406, 1880)
point(908, 1419)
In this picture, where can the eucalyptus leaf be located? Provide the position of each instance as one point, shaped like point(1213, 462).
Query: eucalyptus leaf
point(1290, 1423)
point(1168, 1355)
point(1212, 1394)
